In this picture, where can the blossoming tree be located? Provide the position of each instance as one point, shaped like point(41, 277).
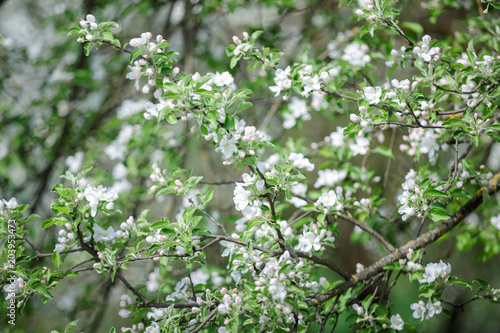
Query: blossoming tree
point(205, 207)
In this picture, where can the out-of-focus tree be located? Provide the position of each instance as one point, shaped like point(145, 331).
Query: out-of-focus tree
point(356, 188)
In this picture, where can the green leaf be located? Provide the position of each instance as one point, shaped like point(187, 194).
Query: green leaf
point(384, 151)
point(494, 135)
point(171, 118)
point(75, 32)
point(56, 259)
point(256, 35)
point(54, 220)
point(367, 301)
point(437, 214)
point(482, 284)
point(229, 122)
point(393, 266)
point(243, 106)
point(454, 122)
point(461, 283)
point(432, 193)
point(161, 224)
point(43, 292)
point(205, 93)
point(234, 61)
point(208, 197)
point(71, 327)
point(108, 25)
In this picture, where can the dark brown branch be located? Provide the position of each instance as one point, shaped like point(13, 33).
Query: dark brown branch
point(390, 22)
point(414, 115)
point(132, 289)
point(418, 243)
point(206, 320)
point(461, 305)
point(180, 305)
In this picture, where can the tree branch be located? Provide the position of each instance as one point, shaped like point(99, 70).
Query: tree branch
point(418, 243)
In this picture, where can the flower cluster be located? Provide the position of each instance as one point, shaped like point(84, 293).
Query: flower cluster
point(397, 323)
point(282, 80)
point(412, 199)
point(372, 94)
point(142, 66)
point(6, 206)
point(66, 236)
point(423, 141)
point(425, 311)
point(230, 302)
point(331, 200)
point(97, 195)
point(312, 239)
point(425, 52)
point(329, 177)
point(300, 162)
point(434, 271)
point(354, 53)
point(89, 24)
point(242, 195)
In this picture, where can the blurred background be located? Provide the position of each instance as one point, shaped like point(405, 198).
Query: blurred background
point(61, 110)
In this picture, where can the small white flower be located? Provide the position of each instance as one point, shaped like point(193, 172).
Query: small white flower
point(434, 308)
point(227, 147)
point(241, 197)
point(419, 310)
point(308, 241)
point(224, 79)
point(103, 235)
point(397, 323)
point(328, 199)
point(154, 328)
point(372, 94)
point(361, 146)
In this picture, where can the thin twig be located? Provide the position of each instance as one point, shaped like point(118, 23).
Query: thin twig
point(415, 244)
point(132, 289)
point(369, 230)
point(205, 321)
point(338, 95)
point(391, 22)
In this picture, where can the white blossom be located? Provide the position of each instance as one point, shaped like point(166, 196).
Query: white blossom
point(397, 323)
point(435, 270)
point(97, 195)
point(372, 94)
point(360, 147)
point(241, 197)
point(329, 177)
point(101, 235)
point(282, 80)
point(308, 241)
point(355, 54)
point(433, 308)
point(223, 79)
point(418, 310)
